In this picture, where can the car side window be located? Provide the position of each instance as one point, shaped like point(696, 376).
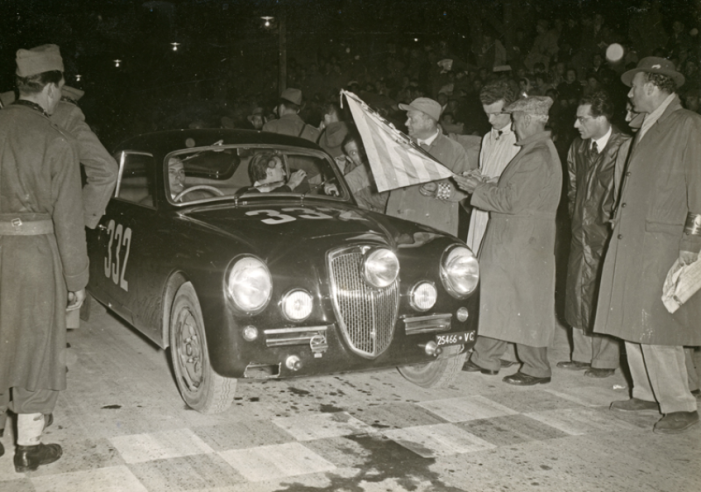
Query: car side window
point(136, 183)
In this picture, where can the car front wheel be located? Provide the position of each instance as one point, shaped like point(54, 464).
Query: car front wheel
point(202, 389)
point(438, 373)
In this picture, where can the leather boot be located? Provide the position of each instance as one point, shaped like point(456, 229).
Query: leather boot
point(29, 458)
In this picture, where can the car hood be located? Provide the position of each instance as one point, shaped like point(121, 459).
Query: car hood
point(270, 226)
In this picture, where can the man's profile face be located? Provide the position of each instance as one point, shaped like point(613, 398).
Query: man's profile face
point(587, 125)
point(521, 122)
point(638, 94)
point(54, 96)
point(418, 124)
point(176, 175)
point(497, 118)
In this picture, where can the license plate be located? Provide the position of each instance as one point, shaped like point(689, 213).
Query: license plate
point(455, 338)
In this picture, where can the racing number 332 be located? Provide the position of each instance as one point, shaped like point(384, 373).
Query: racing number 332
point(114, 269)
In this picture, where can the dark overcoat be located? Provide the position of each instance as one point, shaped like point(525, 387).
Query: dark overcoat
point(591, 201)
point(517, 259)
point(661, 185)
point(39, 180)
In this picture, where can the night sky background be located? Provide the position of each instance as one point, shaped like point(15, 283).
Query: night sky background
point(222, 42)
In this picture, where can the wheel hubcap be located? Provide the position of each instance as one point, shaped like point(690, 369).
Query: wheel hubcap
point(189, 350)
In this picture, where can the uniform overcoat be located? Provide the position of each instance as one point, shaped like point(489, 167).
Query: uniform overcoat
point(661, 185)
point(408, 203)
point(294, 126)
point(100, 167)
point(517, 260)
point(591, 201)
point(39, 180)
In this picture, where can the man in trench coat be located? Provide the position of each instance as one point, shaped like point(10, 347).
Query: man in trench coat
point(43, 254)
point(517, 260)
point(657, 222)
point(591, 163)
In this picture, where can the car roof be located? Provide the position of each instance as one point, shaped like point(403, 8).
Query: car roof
point(167, 141)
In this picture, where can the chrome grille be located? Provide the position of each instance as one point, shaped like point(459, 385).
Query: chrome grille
point(366, 315)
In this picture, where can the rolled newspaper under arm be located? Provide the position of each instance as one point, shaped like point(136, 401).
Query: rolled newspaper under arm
point(682, 282)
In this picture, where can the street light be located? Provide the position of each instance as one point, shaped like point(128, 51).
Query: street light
point(267, 20)
point(78, 77)
point(175, 46)
point(116, 63)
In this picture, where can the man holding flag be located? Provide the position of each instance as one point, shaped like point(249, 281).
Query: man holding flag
point(432, 203)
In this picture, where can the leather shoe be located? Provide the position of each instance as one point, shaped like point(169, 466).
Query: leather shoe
point(507, 363)
point(521, 379)
point(676, 422)
point(599, 373)
point(29, 458)
point(573, 365)
point(470, 366)
point(2, 449)
point(634, 405)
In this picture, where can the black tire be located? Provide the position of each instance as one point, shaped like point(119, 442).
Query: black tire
point(438, 373)
point(202, 389)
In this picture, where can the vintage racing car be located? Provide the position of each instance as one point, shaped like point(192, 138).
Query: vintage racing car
point(243, 281)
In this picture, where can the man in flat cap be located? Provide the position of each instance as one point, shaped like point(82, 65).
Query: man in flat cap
point(43, 254)
point(657, 225)
point(290, 123)
point(517, 260)
point(436, 203)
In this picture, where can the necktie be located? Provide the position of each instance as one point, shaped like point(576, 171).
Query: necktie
point(499, 132)
point(595, 147)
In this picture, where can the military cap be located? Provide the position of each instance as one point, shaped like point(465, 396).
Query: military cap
point(292, 95)
point(44, 58)
point(531, 105)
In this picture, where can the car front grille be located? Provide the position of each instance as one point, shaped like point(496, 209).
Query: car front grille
point(366, 315)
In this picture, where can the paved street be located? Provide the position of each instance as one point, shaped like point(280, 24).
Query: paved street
point(124, 427)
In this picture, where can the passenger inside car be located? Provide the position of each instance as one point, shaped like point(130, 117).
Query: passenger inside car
point(267, 173)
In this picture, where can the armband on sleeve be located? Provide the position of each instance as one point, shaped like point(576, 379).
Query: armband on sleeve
point(693, 225)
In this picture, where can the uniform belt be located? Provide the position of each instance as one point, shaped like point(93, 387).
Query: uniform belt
point(19, 227)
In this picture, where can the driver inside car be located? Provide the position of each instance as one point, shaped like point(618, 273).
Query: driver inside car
point(176, 184)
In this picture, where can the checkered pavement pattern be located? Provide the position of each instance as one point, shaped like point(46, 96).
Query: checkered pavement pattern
point(266, 454)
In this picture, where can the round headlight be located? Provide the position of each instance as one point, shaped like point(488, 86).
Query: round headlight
point(423, 296)
point(297, 305)
point(249, 284)
point(459, 271)
point(381, 268)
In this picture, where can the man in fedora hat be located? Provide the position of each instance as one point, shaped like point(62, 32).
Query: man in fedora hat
point(657, 224)
point(436, 203)
point(517, 260)
point(43, 254)
point(290, 123)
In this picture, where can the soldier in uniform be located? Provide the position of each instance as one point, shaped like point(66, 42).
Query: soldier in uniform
point(43, 254)
point(290, 123)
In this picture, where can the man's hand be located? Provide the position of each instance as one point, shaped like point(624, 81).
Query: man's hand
point(75, 300)
point(296, 178)
point(687, 257)
point(469, 181)
point(330, 189)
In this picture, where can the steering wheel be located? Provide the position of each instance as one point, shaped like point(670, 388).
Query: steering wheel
point(214, 190)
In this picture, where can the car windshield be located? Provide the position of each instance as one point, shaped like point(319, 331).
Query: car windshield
point(226, 172)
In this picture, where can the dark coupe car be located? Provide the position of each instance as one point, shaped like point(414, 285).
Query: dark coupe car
point(242, 280)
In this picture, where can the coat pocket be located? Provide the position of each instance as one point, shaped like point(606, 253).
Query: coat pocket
point(664, 227)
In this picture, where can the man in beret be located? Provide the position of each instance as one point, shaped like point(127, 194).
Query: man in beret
point(290, 123)
point(436, 203)
point(656, 227)
point(43, 254)
point(517, 260)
